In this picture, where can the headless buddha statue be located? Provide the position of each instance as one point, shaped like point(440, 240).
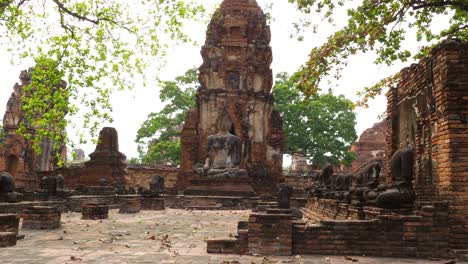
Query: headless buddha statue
point(223, 151)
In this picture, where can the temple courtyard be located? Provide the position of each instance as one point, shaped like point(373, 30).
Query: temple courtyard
point(170, 236)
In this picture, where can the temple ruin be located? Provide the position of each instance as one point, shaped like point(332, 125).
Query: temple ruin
point(404, 197)
point(236, 77)
point(17, 156)
point(370, 146)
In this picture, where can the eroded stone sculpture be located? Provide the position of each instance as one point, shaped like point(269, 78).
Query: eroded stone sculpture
point(367, 185)
point(157, 187)
point(7, 189)
point(343, 184)
point(323, 183)
point(283, 196)
point(224, 151)
point(400, 193)
point(53, 186)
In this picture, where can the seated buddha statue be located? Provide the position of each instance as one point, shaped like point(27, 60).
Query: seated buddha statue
point(400, 192)
point(223, 151)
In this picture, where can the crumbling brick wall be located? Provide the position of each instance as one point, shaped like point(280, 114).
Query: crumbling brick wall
point(429, 111)
point(423, 235)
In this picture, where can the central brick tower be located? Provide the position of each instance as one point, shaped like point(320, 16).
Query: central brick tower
point(236, 75)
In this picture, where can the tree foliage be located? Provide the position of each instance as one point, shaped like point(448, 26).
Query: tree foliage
point(380, 26)
point(320, 127)
point(96, 46)
point(2, 134)
point(159, 136)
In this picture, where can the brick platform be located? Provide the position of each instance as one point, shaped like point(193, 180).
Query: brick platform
point(422, 233)
point(220, 187)
point(95, 211)
point(264, 234)
point(130, 205)
point(319, 209)
point(41, 217)
point(9, 223)
point(7, 239)
point(270, 234)
point(155, 204)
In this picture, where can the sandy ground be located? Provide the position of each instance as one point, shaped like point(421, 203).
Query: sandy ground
point(171, 236)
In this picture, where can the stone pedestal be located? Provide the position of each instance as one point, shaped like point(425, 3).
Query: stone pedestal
point(7, 239)
point(94, 211)
point(9, 223)
point(41, 217)
point(154, 204)
point(130, 206)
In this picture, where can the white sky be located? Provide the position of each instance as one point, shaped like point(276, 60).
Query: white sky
point(132, 107)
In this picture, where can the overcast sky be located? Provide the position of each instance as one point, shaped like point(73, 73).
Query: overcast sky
point(132, 107)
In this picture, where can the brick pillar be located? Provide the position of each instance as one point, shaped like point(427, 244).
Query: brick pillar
point(452, 104)
point(391, 135)
point(270, 234)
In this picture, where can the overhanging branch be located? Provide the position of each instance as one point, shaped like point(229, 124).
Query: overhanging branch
point(425, 4)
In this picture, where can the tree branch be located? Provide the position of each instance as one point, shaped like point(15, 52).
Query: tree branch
point(424, 4)
point(95, 21)
point(62, 7)
point(21, 3)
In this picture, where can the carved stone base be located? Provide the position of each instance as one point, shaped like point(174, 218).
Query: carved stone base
point(41, 217)
point(95, 211)
point(130, 206)
point(221, 187)
point(7, 239)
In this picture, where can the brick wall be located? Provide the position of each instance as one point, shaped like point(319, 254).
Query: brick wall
point(421, 235)
point(429, 109)
point(140, 176)
point(137, 176)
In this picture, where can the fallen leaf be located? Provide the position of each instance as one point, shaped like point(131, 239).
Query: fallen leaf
point(73, 258)
point(351, 259)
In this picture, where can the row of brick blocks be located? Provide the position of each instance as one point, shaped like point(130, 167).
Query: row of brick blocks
point(36, 217)
point(48, 217)
point(423, 234)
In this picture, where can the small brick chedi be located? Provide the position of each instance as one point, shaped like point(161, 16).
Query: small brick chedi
point(107, 162)
point(236, 80)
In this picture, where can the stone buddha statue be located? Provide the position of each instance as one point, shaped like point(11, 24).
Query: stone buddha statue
point(223, 151)
point(400, 193)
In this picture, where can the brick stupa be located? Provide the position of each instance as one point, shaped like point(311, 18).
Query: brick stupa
point(107, 162)
point(236, 75)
